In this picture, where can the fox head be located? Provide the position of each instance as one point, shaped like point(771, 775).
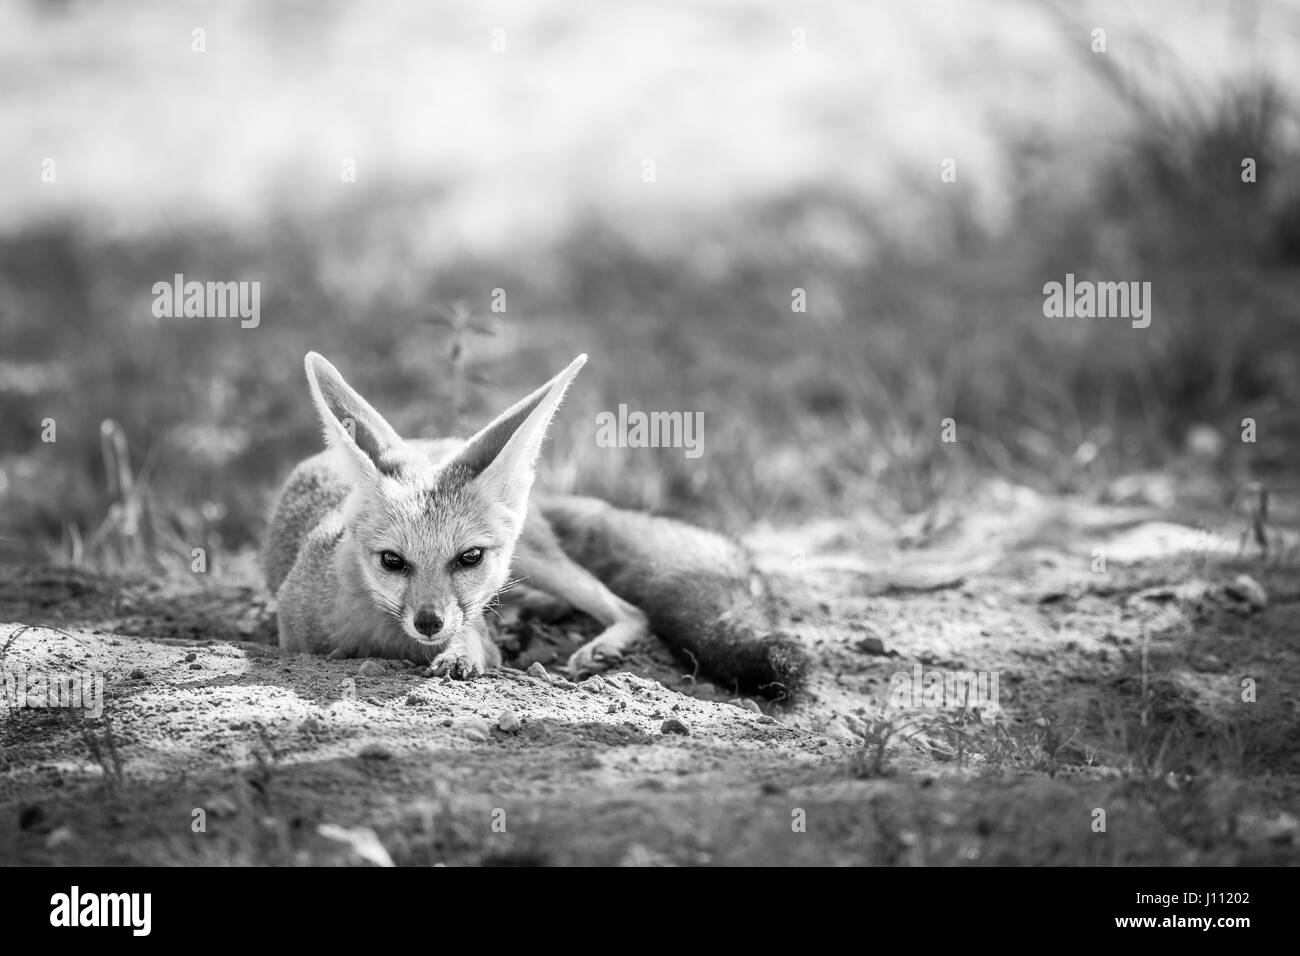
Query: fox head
point(433, 530)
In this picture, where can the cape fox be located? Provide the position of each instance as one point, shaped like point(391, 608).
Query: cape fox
point(383, 547)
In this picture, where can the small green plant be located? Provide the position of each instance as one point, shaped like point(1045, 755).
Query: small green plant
point(869, 761)
point(137, 533)
point(101, 747)
point(464, 326)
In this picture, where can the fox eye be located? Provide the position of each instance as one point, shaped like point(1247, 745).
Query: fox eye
point(469, 557)
point(392, 561)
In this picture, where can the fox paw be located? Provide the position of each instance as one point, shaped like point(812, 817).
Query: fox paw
point(607, 647)
point(457, 664)
point(594, 656)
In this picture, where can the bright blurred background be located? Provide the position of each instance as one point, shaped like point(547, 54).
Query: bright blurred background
point(504, 146)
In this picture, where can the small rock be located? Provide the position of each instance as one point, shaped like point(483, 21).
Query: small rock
point(137, 674)
point(375, 752)
point(537, 669)
point(871, 645)
point(674, 726)
point(1209, 664)
point(594, 684)
point(639, 855)
point(415, 700)
point(746, 703)
point(220, 806)
point(1245, 588)
point(309, 726)
point(1282, 829)
point(1204, 442)
point(191, 657)
point(508, 722)
point(363, 842)
point(476, 728)
point(196, 667)
point(766, 719)
point(60, 836)
point(371, 668)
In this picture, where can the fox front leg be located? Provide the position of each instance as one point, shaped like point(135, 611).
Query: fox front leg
point(468, 655)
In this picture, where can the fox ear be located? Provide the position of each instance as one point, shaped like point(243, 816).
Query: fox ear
point(502, 456)
point(351, 424)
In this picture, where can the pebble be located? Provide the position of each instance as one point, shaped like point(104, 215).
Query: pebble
point(60, 836)
point(1249, 590)
point(361, 842)
point(871, 645)
point(537, 669)
point(1203, 441)
point(476, 728)
point(375, 752)
point(191, 657)
point(1209, 664)
point(1282, 829)
point(137, 674)
point(371, 668)
point(594, 684)
point(220, 806)
point(508, 722)
point(674, 726)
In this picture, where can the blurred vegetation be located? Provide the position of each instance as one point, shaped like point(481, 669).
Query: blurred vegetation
point(826, 411)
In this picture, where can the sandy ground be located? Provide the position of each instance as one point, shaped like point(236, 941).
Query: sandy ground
point(1120, 698)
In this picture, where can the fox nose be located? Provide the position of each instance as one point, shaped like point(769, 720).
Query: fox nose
point(427, 622)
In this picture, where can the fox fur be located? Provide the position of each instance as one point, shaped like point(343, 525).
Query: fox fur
point(384, 547)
